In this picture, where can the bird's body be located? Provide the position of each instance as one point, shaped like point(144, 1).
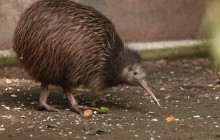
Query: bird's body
point(67, 44)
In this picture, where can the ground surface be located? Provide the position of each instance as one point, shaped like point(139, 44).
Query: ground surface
point(181, 85)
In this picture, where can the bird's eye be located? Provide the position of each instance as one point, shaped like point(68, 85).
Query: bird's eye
point(135, 73)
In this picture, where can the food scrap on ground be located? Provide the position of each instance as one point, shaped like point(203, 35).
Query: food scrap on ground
point(103, 110)
point(170, 119)
point(87, 112)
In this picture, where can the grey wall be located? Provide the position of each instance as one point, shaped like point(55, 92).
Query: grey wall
point(135, 20)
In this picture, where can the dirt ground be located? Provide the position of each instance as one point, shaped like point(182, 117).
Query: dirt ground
point(182, 86)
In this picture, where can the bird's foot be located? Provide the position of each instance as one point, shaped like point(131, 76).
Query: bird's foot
point(44, 106)
point(80, 108)
point(216, 82)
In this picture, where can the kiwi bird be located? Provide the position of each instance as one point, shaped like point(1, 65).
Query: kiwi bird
point(67, 44)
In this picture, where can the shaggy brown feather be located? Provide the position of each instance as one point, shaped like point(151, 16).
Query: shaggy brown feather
point(67, 44)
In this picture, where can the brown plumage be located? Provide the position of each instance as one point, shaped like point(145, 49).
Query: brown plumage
point(67, 44)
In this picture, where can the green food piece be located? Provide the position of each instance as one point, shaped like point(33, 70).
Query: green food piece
point(103, 110)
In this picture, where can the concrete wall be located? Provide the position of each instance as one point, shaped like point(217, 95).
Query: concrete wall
point(135, 20)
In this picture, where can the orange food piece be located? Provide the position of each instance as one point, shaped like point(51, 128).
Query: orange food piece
point(217, 86)
point(146, 94)
point(87, 112)
point(170, 119)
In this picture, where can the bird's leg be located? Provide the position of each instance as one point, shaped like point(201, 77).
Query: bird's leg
point(43, 99)
point(73, 102)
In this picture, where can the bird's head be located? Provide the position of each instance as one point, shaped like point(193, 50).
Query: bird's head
point(135, 75)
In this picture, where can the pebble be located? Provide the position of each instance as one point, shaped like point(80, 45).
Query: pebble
point(77, 137)
point(154, 120)
point(2, 129)
point(8, 108)
point(162, 88)
point(33, 102)
point(6, 117)
point(17, 108)
point(13, 95)
point(30, 127)
point(70, 133)
point(210, 85)
point(172, 72)
point(8, 81)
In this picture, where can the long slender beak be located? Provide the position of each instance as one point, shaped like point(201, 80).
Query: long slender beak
point(143, 83)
